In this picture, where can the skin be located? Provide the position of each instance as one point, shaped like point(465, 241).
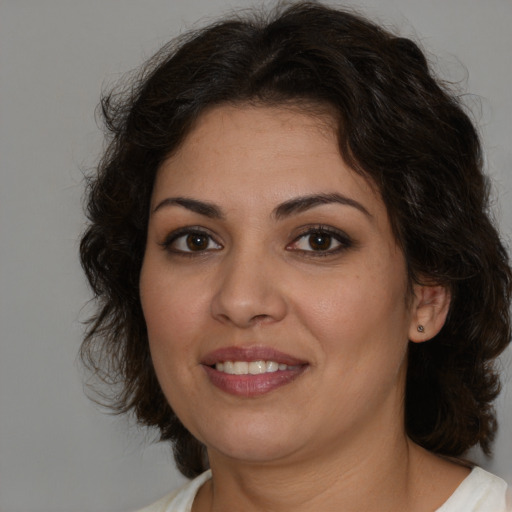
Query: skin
point(333, 438)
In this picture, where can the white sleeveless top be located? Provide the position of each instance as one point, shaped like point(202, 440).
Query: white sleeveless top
point(479, 492)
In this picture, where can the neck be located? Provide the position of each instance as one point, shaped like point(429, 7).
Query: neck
point(373, 468)
point(355, 476)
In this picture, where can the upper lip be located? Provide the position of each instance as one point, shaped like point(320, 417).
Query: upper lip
point(256, 353)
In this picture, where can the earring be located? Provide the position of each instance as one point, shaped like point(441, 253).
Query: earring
point(421, 328)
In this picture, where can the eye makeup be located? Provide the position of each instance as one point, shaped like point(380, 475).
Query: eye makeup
point(320, 241)
point(190, 241)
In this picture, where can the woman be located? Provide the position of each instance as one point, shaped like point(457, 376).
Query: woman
point(298, 281)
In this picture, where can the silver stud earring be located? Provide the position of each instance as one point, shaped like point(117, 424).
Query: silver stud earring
point(421, 328)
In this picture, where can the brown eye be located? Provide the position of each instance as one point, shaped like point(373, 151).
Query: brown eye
point(197, 242)
point(190, 241)
point(320, 241)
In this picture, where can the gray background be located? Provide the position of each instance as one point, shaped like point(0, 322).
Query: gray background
point(58, 451)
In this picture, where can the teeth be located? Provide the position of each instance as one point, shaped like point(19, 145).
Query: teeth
point(240, 367)
point(272, 366)
point(251, 368)
point(257, 367)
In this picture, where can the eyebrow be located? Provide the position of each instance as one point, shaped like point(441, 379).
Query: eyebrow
point(201, 207)
point(296, 205)
point(304, 203)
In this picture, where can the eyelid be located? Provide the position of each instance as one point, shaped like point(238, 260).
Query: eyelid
point(345, 241)
point(175, 235)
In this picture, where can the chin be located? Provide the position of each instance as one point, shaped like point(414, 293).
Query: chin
point(256, 443)
point(260, 453)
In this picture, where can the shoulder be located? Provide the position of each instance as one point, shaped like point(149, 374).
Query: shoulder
point(480, 492)
point(181, 499)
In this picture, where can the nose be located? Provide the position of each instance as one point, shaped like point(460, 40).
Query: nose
point(248, 291)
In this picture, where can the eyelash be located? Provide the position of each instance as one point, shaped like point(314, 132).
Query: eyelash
point(186, 232)
point(342, 239)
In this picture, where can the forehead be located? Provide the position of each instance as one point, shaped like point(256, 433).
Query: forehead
point(229, 132)
point(264, 150)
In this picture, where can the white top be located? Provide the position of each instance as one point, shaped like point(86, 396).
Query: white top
point(479, 492)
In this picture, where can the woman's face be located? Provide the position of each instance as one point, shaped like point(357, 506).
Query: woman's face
point(274, 292)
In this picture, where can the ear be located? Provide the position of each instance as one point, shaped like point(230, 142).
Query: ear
point(430, 308)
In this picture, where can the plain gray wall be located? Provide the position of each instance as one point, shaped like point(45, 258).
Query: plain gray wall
point(59, 452)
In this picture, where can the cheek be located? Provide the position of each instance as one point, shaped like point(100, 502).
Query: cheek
point(172, 323)
point(357, 315)
point(170, 304)
point(170, 319)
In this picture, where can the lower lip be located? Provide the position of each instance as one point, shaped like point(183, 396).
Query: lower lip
point(252, 385)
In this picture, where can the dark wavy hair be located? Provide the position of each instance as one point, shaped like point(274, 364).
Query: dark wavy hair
point(397, 125)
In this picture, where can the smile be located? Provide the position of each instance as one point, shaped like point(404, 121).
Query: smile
point(253, 367)
point(251, 372)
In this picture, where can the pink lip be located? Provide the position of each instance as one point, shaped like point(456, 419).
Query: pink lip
point(258, 353)
point(251, 385)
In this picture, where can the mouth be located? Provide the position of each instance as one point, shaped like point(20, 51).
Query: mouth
point(252, 367)
point(251, 372)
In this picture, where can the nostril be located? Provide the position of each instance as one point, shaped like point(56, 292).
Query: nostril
point(260, 318)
